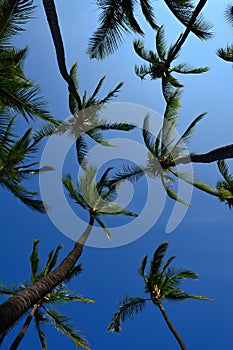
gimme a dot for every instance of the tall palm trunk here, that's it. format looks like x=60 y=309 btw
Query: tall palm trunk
x=24 y=329
x=220 y=153
x=15 y=307
x=171 y=327
x=52 y=19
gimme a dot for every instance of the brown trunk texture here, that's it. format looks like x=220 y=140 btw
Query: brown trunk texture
x=15 y=307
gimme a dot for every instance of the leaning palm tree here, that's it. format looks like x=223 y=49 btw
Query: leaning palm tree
x=17 y=92
x=161 y=283
x=41 y=311
x=225 y=187
x=99 y=200
x=165 y=151
x=119 y=16
x=16 y=164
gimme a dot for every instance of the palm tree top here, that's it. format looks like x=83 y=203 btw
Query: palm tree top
x=45 y=312
x=161 y=282
x=96 y=196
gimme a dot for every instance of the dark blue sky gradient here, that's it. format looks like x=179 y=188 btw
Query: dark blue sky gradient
x=204 y=239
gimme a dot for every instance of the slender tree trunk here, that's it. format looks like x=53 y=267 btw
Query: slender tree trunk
x=220 y=153
x=15 y=307
x=184 y=36
x=24 y=329
x=171 y=327
x=52 y=19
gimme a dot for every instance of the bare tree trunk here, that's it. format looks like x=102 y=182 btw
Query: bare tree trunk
x=220 y=153
x=52 y=19
x=16 y=306
x=24 y=329
x=171 y=327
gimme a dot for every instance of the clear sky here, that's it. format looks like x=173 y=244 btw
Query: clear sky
x=202 y=242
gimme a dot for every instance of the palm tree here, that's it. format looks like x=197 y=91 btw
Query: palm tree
x=161 y=283
x=225 y=187
x=41 y=312
x=118 y=16
x=85 y=121
x=227 y=53
x=160 y=63
x=163 y=153
x=16 y=164
x=17 y=92
x=98 y=200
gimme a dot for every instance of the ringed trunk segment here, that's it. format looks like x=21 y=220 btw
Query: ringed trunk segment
x=12 y=309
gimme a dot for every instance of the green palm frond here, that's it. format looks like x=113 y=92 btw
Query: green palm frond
x=184 y=11
x=13 y=14
x=226 y=54
x=34 y=260
x=73 y=193
x=225 y=188
x=157 y=259
x=39 y=320
x=129 y=172
x=102 y=225
x=51 y=262
x=146 y=55
x=224 y=170
x=63 y=325
x=148 y=137
x=147 y=11
x=185 y=68
x=141 y=269
x=172 y=194
x=181 y=296
x=77 y=269
x=128 y=308
x=92 y=100
x=161 y=46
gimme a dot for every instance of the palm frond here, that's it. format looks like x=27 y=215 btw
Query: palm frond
x=77 y=269
x=141 y=269
x=128 y=308
x=184 y=11
x=185 y=68
x=73 y=193
x=34 y=260
x=51 y=261
x=102 y=225
x=148 y=137
x=147 y=11
x=157 y=259
x=91 y=100
x=146 y=55
x=82 y=151
x=181 y=296
x=63 y=325
x=39 y=320
x=226 y=54
x=161 y=44
x=223 y=168
x=129 y=172
x=111 y=94
x=13 y=14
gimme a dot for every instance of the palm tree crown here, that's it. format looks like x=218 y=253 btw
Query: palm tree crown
x=95 y=196
x=17 y=92
x=16 y=164
x=161 y=283
x=42 y=313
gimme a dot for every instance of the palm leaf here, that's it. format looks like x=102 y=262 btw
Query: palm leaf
x=34 y=260
x=102 y=225
x=161 y=43
x=157 y=259
x=148 y=137
x=184 y=68
x=147 y=11
x=39 y=320
x=184 y=11
x=13 y=14
x=128 y=308
x=62 y=324
x=74 y=272
x=91 y=100
x=51 y=261
x=141 y=269
x=73 y=193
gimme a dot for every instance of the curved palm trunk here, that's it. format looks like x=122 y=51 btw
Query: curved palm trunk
x=15 y=307
x=220 y=153
x=171 y=327
x=24 y=329
x=52 y=19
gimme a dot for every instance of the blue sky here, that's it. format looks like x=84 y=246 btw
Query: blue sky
x=203 y=240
